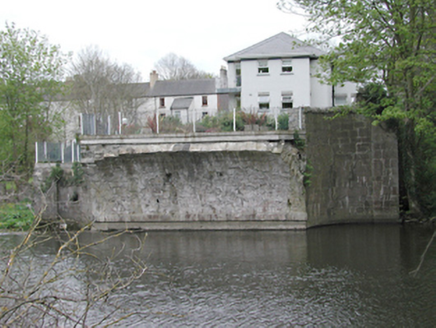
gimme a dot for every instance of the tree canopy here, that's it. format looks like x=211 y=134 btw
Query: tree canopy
x=31 y=72
x=391 y=43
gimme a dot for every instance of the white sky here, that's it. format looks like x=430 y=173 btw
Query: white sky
x=139 y=33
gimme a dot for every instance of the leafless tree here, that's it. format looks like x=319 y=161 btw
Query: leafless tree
x=102 y=86
x=65 y=287
x=174 y=67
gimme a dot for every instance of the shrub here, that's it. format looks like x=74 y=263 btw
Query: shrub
x=283 y=121
x=253 y=118
x=16 y=216
x=226 y=121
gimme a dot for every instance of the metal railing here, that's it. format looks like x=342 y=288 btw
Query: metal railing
x=194 y=121
x=57 y=152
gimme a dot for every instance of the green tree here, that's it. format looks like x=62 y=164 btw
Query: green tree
x=30 y=73
x=392 y=43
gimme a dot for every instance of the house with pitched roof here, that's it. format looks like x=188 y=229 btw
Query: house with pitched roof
x=276 y=74
x=280 y=72
x=186 y=99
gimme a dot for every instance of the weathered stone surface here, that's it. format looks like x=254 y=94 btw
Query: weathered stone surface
x=238 y=181
x=355 y=171
x=198 y=187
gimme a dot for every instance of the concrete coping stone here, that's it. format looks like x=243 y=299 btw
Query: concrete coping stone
x=189 y=138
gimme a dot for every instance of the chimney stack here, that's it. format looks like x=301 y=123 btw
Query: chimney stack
x=153 y=78
x=223 y=77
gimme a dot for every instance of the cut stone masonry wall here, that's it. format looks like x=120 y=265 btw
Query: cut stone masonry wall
x=355 y=170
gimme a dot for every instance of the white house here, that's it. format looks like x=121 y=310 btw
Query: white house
x=276 y=74
x=186 y=99
x=279 y=72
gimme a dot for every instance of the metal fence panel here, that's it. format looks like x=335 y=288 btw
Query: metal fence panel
x=57 y=152
x=88 y=124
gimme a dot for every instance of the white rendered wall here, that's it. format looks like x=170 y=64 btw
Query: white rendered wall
x=307 y=90
x=321 y=94
x=149 y=107
x=275 y=82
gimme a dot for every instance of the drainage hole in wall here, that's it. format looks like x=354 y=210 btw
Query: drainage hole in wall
x=157 y=200
x=74 y=197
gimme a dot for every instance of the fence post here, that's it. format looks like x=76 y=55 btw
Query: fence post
x=234 y=119
x=73 y=147
x=119 y=123
x=109 y=128
x=45 y=149
x=276 y=119
x=81 y=123
x=193 y=120
x=157 y=121
x=300 y=123
x=62 y=152
x=95 y=124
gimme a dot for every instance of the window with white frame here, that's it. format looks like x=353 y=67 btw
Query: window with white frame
x=161 y=102
x=204 y=101
x=287 y=99
x=263 y=100
x=287 y=65
x=263 y=67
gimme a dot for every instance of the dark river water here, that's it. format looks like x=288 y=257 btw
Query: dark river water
x=338 y=276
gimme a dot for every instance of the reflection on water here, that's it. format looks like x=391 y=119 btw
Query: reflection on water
x=340 y=276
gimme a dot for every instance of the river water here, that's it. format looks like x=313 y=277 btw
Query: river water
x=337 y=276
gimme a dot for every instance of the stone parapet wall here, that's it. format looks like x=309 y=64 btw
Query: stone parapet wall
x=355 y=170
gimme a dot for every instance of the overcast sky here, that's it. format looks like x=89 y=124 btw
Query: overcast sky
x=139 y=33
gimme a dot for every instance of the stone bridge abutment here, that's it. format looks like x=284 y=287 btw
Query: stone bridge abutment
x=213 y=181
x=237 y=180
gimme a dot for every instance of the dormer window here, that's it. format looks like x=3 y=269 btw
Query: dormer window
x=263 y=67
x=286 y=65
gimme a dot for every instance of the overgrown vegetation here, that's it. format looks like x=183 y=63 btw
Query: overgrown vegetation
x=58 y=175
x=299 y=143
x=16 y=216
x=283 y=121
x=307 y=174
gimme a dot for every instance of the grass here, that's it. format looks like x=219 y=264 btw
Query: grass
x=15 y=216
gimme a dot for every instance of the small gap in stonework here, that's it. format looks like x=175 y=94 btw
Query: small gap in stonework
x=74 y=197
x=157 y=200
